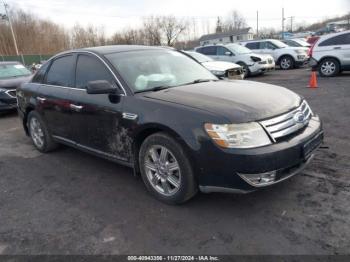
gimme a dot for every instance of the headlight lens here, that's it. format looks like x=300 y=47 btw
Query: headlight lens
x=218 y=73
x=246 y=135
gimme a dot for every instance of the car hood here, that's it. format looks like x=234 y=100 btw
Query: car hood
x=220 y=66
x=238 y=101
x=13 y=83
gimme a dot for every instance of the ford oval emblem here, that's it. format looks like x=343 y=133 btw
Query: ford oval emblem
x=299 y=117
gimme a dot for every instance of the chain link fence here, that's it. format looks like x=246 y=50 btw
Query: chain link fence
x=25 y=59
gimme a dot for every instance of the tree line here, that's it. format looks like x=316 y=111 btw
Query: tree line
x=41 y=36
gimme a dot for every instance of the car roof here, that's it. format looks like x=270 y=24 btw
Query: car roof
x=324 y=37
x=103 y=50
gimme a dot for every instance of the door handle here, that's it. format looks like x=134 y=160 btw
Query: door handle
x=337 y=47
x=76 y=107
x=41 y=99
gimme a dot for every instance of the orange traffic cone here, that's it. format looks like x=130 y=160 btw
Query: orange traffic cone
x=313 y=80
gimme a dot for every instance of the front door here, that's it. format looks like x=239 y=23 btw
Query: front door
x=96 y=117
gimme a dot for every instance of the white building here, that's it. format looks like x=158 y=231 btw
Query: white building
x=243 y=34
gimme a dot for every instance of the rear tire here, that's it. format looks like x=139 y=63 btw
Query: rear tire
x=166 y=170
x=329 y=67
x=39 y=133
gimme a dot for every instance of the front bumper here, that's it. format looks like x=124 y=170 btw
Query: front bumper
x=256 y=68
x=302 y=60
x=227 y=169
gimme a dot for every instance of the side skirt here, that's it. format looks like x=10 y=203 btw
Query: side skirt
x=92 y=151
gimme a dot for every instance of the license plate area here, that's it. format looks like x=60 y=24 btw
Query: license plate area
x=311 y=145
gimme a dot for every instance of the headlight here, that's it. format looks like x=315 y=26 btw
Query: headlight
x=218 y=73
x=246 y=135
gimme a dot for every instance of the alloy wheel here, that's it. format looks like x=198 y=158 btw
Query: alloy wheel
x=285 y=63
x=162 y=170
x=328 y=68
x=36 y=132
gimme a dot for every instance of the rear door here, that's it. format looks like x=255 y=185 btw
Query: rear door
x=53 y=101
x=96 y=117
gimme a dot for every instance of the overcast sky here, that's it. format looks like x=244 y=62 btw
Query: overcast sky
x=116 y=15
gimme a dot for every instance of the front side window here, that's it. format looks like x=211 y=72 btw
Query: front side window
x=222 y=50
x=13 y=70
x=60 y=72
x=270 y=45
x=90 y=69
x=145 y=70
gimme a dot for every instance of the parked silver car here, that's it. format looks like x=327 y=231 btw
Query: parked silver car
x=252 y=63
x=218 y=68
x=287 y=57
x=331 y=54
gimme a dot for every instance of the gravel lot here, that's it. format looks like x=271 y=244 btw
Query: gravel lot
x=68 y=202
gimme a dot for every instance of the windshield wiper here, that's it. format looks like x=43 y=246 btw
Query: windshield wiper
x=197 y=81
x=154 y=89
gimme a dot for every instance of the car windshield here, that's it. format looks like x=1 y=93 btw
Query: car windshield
x=238 y=49
x=278 y=43
x=200 y=57
x=13 y=70
x=302 y=42
x=147 y=70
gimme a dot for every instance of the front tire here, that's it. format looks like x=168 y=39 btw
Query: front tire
x=286 y=62
x=39 y=133
x=329 y=67
x=165 y=169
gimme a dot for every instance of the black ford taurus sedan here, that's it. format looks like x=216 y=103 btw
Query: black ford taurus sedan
x=163 y=114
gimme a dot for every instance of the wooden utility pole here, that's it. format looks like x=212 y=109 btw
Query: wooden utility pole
x=11 y=27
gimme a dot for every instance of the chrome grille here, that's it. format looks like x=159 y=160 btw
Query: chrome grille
x=288 y=123
x=11 y=93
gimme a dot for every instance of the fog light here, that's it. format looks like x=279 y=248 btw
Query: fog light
x=261 y=179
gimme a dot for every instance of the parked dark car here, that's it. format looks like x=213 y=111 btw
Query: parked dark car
x=12 y=75
x=166 y=116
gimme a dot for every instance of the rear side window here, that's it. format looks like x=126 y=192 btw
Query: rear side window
x=90 y=69
x=254 y=45
x=39 y=76
x=60 y=72
x=209 y=50
x=337 y=40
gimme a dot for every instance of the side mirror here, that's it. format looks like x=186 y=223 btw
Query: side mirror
x=100 y=87
x=228 y=53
